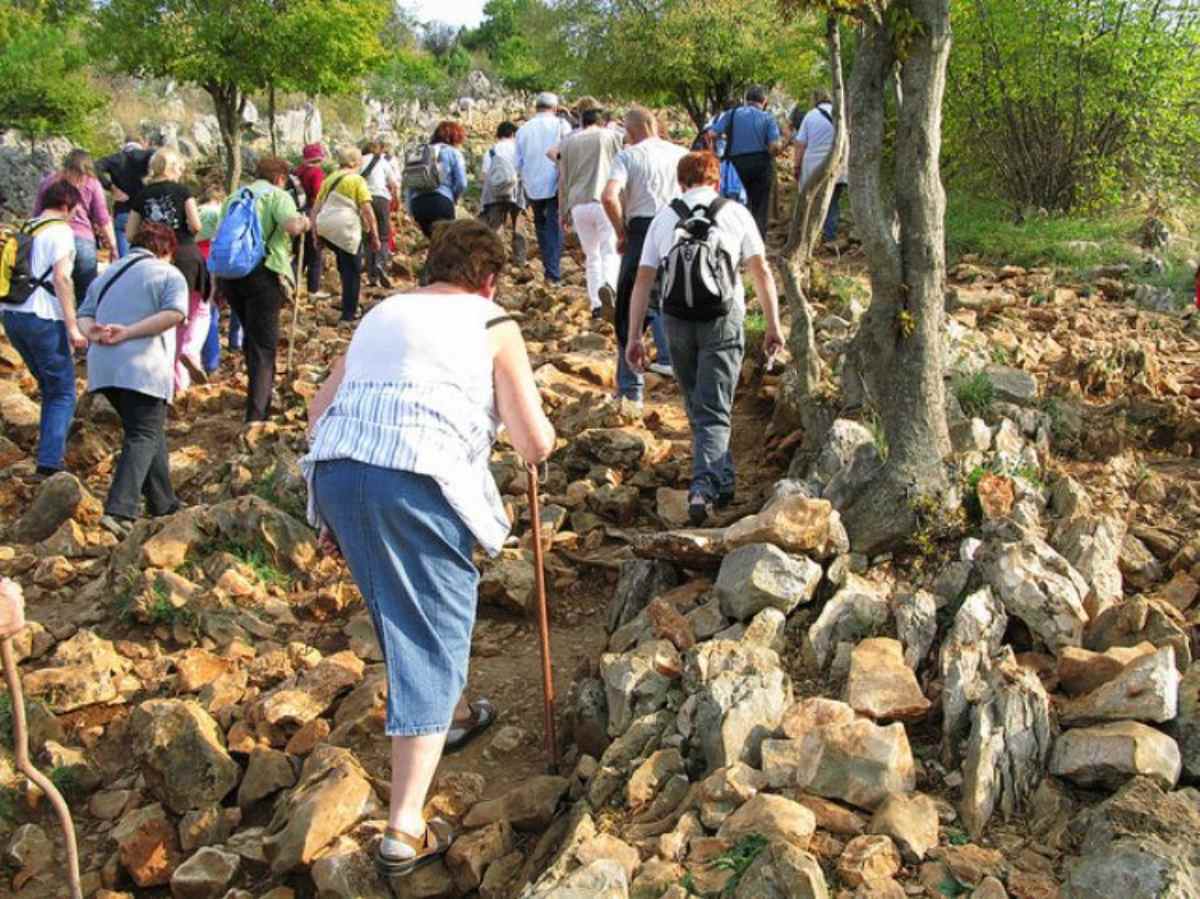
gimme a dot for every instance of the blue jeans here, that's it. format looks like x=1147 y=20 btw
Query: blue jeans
x=43 y=345
x=631 y=385
x=549 y=236
x=829 y=232
x=120 y=220
x=85 y=270
x=410 y=555
x=210 y=354
x=707 y=358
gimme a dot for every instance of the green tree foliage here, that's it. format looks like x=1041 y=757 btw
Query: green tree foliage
x=1062 y=103
x=45 y=88
x=697 y=53
x=231 y=48
x=522 y=41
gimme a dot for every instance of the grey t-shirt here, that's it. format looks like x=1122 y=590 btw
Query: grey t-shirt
x=145 y=364
x=648 y=172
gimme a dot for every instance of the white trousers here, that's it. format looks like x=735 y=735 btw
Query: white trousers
x=599 y=242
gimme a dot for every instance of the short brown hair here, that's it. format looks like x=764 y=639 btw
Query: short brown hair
x=449 y=132
x=272 y=168
x=61 y=194
x=701 y=167
x=159 y=239
x=465 y=252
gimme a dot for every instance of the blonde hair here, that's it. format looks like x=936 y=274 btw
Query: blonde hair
x=349 y=156
x=166 y=165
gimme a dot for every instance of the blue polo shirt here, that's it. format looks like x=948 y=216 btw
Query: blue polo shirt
x=754 y=132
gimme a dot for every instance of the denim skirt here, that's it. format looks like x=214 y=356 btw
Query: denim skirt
x=410 y=555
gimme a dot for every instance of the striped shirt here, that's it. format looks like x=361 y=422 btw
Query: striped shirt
x=418 y=396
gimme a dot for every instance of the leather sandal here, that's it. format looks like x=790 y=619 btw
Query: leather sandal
x=428 y=847
x=483 y=714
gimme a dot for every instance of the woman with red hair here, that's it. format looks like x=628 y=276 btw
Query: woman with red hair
x=428 y=207
x=130 y=316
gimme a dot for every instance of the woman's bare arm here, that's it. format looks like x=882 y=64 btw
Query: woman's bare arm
x=517 y=396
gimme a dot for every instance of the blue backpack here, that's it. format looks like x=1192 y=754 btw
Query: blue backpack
x=238 y=246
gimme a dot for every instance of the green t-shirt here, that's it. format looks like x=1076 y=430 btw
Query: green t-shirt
x=275 y=208
x=210 y=217
x=351 y=185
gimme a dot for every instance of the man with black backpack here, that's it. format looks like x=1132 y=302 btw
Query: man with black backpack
x=695 y=248
x=503 y=199
x=751 y=138
x=813 y=143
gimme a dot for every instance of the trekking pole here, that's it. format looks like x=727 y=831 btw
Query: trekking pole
x=296 y=301
x=14 y=609
x=535 y=517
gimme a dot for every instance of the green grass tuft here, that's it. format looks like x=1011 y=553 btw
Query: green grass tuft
x=739 y=858
x=975 y=394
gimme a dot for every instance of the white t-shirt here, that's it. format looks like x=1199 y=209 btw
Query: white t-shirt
x=648 y=172
x=381 y=178
x=50 y=246
x=817 y=134
x=736 y=228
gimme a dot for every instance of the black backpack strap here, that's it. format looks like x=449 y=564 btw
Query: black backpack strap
x=118 y=274
x=828 y=117
x=715 y=207
x=729 y=133
x=30 y=229
x=333 y=184
x=681 y=209
x=366 y=173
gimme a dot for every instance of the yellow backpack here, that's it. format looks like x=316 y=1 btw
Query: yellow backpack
x=17 y=279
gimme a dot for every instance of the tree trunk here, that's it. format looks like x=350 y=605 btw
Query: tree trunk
x=897 y=353
x=797 y=392
x=229 y=104
x=271 y=117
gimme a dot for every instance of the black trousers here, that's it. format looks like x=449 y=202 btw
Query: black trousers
x=757 y=171
x=494 y=215
x=313 y=257
x=429 y=209
x=257 y=300
x=142 y=469
x=635 y=241
x=350 y=268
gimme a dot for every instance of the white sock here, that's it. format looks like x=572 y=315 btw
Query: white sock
x=394 y=848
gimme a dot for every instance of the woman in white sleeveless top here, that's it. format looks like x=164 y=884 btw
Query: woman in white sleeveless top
x=399 y=481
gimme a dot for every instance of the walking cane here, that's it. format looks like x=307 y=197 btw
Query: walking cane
x=296 y=301
x=535 y=516
x=12 y=617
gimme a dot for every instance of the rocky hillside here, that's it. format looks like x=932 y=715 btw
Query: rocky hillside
x=1007 y=708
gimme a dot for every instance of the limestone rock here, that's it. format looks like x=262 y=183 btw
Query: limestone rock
x=916 y=625
x=843 y=440
x=267 y=772
x=1093 y=546
x=640 y=581
x=84 y=670
x=760 y=576
x=1147 y=689
x=782 y=871
x=966 y=654
x=508 y=583
x=1138 y=565
x=346 y=871
x=627 y=449
x=702 y=548
x=795 y=524
x=867 y=858
x=206 y=875
x=528 y=807
x=637 y=682
x=1142 y=620
x=1012 y=385
x=147 y=845
x=333 y=794
x=603 y=879
x=651 y=775
x=469 y=857
x=182 y=753
x=606 y=846
x=308 y=695
x=59 y=498
x=857 y=610
x=1038 y=586
x=1008 y=745
x=1081 y=671
x=1108 y=755
x=1186 y=727
x=881 y=686
x=774 y=817
x=911 y=820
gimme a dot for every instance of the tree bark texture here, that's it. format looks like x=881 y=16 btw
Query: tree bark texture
x=897 y=353
x=793 y=261
x=230 y=106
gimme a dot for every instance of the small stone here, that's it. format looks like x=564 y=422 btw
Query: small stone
x=832 y=817
x=1181 y=591
x=528 y=807
x=866 y=858
x=916 y=625
x=1108 y=755
x=881 y=686
x=206 y=875
x=1082 y=671
x=1147 y=689
x=782 y=871
x=911 y=821
x=796 y=524
x=267 y=772
x=671 y=506
x=857 y=610
x=472 y=853
x=648 y=779
x=147 y=844
x=606 y=846
x=996 y=496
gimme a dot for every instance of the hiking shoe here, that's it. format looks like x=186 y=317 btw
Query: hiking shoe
x=660 y=369
x=697 y=510
x=117 y=526
x=608 y=303
x=725 y=499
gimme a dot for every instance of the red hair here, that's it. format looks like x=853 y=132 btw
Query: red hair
x=699 y=168
x=157 y=238
x=449 y=132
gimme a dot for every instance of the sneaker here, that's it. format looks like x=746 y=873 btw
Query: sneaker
x=697 y=510
x=117 y=526
x=608 y=303
x=195 y=369
x=660 y=369
x=725 y=499
x=598 y=314
x=321 y=295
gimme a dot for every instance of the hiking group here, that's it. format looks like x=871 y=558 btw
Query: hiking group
x=401 y=432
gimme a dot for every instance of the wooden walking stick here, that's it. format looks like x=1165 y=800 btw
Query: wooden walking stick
x=543 y=613
x=300 y=281
x=12 y=622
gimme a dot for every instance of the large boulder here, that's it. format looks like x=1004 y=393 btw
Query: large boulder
x=774 y=817
x=1039 y=587
x=84 y=670
x=181 y=751
x=781 y=871
x=636 y=683
x=760 y=576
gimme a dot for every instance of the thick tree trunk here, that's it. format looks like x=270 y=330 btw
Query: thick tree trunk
x=229 y=104
x=897 y=353
x=797 y=392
